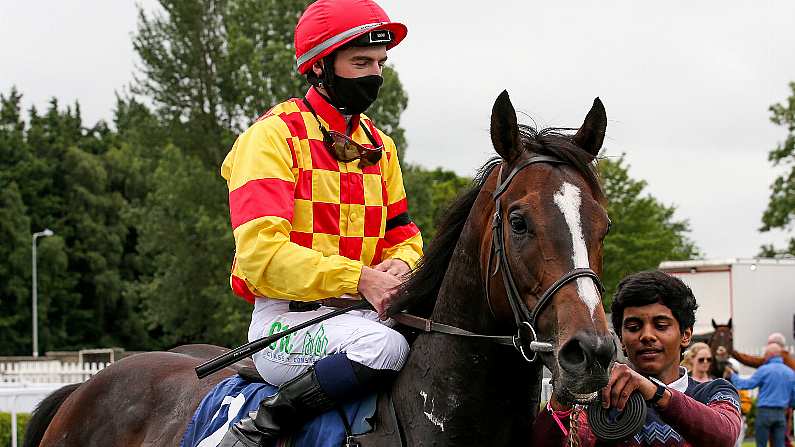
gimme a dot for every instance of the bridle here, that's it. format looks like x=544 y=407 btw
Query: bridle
x=525 y=341
x=525 y=318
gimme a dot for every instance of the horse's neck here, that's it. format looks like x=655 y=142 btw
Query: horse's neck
x=458 y=391
x=461 y=301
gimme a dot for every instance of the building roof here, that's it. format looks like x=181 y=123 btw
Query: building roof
x=720 y=264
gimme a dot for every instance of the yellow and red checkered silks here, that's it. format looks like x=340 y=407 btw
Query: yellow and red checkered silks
x=305 y=223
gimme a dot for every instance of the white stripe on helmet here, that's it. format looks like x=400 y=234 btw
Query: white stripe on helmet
x=322 y=46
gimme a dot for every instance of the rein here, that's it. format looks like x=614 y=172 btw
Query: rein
x=428 y=325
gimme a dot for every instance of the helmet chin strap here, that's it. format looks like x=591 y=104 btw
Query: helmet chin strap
x=326 y=83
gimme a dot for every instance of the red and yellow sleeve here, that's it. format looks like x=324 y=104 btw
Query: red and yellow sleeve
x=402 y=237
x=261 y=180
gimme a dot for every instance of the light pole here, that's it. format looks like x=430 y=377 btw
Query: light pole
x=47 y=232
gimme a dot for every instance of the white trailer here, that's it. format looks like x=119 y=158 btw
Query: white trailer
x=758 y=294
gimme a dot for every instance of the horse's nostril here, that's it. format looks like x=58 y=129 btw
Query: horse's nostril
x=572 y=355
x=581 y=351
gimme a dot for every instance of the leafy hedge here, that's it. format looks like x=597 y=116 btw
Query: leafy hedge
x=5 y=428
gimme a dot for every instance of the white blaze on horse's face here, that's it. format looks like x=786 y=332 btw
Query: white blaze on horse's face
x=568 y=200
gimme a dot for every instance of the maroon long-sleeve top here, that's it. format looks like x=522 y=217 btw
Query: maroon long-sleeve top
x=698 y=414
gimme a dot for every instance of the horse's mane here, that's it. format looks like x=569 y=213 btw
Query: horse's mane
x=418 y=294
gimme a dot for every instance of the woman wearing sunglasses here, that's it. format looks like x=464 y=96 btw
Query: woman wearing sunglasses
x=698 y=360
x=319 y=211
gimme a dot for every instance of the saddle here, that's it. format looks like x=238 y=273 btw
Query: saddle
x=384 y=421
x=250 y=374
x=371 y=421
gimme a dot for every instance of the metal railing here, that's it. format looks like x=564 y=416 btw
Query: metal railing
x=22 y=398
x=24 y=384
x=48 y=372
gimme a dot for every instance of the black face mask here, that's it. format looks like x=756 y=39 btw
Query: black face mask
x=354 y=95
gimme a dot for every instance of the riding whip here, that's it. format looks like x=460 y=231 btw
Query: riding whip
x=222 y=361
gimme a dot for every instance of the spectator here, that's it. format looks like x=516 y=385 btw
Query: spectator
x=776 y=382
x=755 y=361
x=697 y=360
x=746 y=401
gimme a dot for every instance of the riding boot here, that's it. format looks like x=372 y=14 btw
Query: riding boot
x=296 y=402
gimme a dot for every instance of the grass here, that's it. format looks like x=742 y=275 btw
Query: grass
x=5 y=427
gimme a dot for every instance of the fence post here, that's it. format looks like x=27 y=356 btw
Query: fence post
x=14 y=421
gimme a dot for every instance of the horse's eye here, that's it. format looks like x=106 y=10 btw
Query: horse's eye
x=518 y=224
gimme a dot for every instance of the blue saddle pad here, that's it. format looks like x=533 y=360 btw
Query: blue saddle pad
x=233 y=398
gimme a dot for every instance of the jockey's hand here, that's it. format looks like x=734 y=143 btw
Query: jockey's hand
x=623 y=382
x=378 y=288
x=393 y=266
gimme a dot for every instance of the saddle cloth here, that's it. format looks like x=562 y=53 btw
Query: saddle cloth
x=234 y=397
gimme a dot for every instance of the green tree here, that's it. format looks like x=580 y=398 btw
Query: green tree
x=15 y=232
x=26 y=181
x=644 y=231
x=56 y=175
x=429 y=193
x=185 y=234
x=14 y=269
x=781 y=207
x=13 y=149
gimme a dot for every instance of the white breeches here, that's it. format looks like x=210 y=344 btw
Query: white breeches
x=358 y=333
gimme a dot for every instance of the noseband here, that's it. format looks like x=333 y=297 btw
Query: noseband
x=525 y=341
x=525 y=319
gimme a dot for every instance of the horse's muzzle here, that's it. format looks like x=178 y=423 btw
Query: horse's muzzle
x=584 y=362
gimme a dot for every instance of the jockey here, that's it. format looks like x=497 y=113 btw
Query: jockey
x=319 y=211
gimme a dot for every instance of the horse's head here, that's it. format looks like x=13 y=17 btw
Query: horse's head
x=552 y=221
x=722 y=339
x=722 y=344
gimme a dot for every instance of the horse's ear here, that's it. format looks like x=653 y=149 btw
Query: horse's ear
x=504 y=128
x=729 y=323
x=714 y=325
x=592 y=133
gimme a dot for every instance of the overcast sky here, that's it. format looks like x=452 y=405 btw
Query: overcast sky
x=686 y=85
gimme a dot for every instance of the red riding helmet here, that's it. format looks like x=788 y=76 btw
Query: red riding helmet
x=329 y=24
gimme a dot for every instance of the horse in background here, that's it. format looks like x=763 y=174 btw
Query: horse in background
x=721 y=343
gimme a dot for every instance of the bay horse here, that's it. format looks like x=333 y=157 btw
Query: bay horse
x=721 y=343
x=535 y=217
